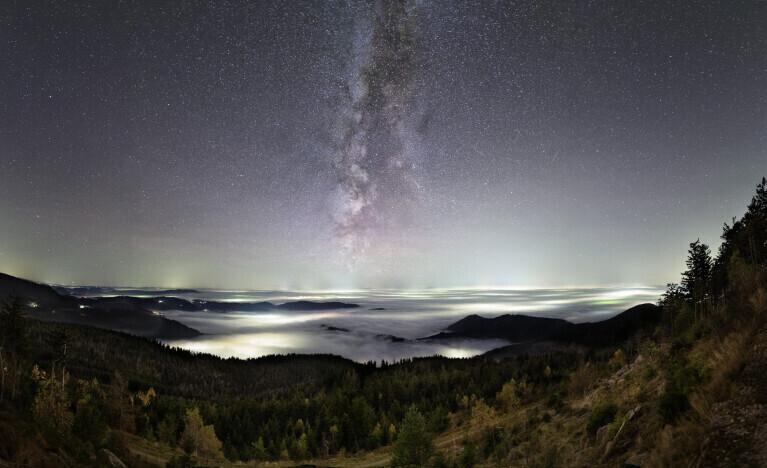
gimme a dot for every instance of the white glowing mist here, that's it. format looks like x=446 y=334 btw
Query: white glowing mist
x=362 y=333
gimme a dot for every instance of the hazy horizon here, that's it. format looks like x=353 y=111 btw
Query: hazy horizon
x=362 y=334
x=55 y=278
x=387 y=325
x=172 y=285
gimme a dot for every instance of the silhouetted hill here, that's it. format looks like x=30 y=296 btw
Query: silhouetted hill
x=607 y=333
x=613 y=330
x=510 y=327
x=44 y=303
x=196 y=305
x=161 y=303
x=110 y=291
x=309 y=305
x=132 y=314
x=391 y=338
x=175 y=303
x=40 y=293
x=216 y=306
x=332 y=328
x=540 y=335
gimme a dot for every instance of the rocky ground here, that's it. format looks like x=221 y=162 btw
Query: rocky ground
x=738 y=432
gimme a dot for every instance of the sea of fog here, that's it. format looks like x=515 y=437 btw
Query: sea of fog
x=383 y=314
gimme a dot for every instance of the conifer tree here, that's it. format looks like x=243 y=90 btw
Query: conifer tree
x=696 y=281
x=13 y=342
x=201 y=437
x=414 y=447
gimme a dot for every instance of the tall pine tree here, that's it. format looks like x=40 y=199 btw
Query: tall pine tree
x=696 y=281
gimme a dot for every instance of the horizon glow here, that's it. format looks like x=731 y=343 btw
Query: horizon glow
x=338 y=146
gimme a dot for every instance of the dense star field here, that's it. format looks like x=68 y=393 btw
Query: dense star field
x=443 y=233
x=338 y=144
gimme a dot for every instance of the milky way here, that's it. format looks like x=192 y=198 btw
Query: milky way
x=388 y=144
x=379 y=133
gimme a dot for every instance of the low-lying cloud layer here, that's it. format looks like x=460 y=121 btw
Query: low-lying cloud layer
x=365 y=334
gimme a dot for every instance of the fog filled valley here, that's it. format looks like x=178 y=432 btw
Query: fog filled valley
x=388 y=324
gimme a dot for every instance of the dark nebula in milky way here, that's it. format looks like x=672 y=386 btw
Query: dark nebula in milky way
x=379 y=134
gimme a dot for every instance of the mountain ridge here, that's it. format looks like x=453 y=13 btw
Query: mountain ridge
x=531 y=334
x=134 y=315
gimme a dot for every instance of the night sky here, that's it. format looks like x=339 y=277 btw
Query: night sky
x=326 y=145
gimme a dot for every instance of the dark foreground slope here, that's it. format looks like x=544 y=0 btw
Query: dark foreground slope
x=44 y=303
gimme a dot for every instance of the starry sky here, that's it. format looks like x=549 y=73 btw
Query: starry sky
x=344 y=144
